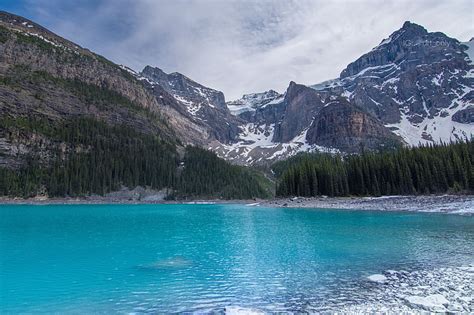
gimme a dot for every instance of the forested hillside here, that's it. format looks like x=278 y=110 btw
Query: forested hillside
x=429 y=169
x=94 y=158
x=91 y=157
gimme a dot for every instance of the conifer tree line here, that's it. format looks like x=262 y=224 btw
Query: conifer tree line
x=204 y=174
x=91 y=157
x=423 y=170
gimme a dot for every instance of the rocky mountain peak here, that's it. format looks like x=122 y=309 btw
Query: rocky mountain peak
x=418 y=83
x=408 y=25
x=187 y=91
x=203 y=105
x=154 y=72
x=410 y=44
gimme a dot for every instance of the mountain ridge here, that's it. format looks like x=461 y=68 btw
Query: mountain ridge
x=414 y=87
x=417 y=84
x=73 y=123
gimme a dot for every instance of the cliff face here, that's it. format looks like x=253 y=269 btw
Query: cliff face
x=28 y=44
x=341 y=125
x=415 y=87
x=302 y=105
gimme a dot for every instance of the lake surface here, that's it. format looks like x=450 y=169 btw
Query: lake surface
x=187 y=258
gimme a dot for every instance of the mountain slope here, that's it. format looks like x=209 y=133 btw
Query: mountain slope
x=201 y=104
x=73 y=123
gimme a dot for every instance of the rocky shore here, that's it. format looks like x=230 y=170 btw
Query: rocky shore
x=444 y=290
x=462 y=204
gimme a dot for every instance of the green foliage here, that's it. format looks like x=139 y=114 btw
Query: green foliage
x=423 y=170
x=278 y=168
x=32 y=125
x=34 y=40
x=206 y=175
x=4 y=35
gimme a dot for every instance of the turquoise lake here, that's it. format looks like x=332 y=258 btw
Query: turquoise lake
x=206 y=258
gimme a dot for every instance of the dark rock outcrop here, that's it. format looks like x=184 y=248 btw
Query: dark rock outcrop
x=341 y=125
x=465 y=116
x=301 y=106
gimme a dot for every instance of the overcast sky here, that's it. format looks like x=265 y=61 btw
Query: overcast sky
x=241 y=46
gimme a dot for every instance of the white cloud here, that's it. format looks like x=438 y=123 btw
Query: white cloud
x=245 y=46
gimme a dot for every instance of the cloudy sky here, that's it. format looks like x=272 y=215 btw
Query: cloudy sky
x=241 y=46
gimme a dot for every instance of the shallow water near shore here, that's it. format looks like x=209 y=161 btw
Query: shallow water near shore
x=203 y=258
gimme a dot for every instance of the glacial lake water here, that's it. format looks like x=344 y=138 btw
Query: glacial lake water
x=209 y=258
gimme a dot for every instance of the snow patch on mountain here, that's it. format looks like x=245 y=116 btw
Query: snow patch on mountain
x=250 y=102
x=329 y=84
x=255 y=146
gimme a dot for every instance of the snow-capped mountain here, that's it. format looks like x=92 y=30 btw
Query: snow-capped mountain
x=304 y=121
x=419 y=84
x=415 y=87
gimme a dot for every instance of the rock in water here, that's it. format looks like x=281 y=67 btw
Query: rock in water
x=168 y=263
x=377 y=278
x=432 y=303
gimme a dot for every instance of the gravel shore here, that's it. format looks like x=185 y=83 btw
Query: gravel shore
x=462 y=204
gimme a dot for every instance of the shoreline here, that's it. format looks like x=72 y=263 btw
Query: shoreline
x=462 y=204
x=112 y=201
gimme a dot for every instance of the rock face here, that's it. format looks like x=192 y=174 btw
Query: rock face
x=464 y=116
x=181 y=87
x=342 y=125
x=301 y=106
x=45 y=77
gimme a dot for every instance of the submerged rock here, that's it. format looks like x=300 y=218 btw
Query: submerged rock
x=377 y=278
x=241 y=310
x=433 y=303
x=168 y=263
